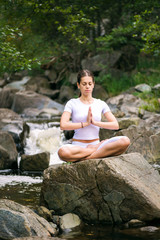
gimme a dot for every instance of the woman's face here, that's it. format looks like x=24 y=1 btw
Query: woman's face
x=86 y=85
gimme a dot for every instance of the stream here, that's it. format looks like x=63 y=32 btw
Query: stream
x=25 y=188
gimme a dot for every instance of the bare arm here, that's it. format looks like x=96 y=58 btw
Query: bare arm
x=111 y=124
x=65 y=123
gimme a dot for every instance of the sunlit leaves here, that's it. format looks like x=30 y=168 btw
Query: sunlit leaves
x=11 y=58
x=148 y=25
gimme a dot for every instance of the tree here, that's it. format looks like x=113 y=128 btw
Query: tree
x=148 y=25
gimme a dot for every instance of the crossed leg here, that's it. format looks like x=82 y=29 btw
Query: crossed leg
x=74 y=153
x=113 y=148
x=105 y=148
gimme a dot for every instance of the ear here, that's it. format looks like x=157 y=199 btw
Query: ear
x=78 y=85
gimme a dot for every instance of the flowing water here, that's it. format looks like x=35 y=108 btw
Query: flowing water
x=25 y=189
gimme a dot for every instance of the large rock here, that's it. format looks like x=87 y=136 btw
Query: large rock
x=143 y=88
x=66 y=93
x=111 y=190
x=99 y=62
x=36 y=162
x=35 y=83
x=8 y=151
x=7 y=116
x=12 y=123
x=153 y=122
x=144 y=141
x=126 y=103
x=29 y=99
x=100 y=92
x=19 y=221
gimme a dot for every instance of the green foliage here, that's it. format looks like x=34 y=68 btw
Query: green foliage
x=119 y=37
x=147 y=72
x=148 y=24
x=52 y=28
x=11 y=58
x=114 y=85
x=151 y=102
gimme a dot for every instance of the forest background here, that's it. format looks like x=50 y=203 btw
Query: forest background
x=32 y=32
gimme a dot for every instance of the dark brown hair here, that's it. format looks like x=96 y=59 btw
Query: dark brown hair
x=84 y=73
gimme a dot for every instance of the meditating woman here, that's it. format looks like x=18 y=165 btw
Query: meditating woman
x=86 y=113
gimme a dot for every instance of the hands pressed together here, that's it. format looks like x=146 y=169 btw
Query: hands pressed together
x=90 y=119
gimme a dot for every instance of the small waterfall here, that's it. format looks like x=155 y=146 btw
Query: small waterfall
x=44 y=138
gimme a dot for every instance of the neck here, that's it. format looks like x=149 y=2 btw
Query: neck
x=86 y=99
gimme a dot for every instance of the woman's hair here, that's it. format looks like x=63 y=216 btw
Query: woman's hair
x=84 y=73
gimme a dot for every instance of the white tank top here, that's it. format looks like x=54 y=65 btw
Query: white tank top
x=79 y=113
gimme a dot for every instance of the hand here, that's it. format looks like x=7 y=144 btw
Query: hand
x=89 y=117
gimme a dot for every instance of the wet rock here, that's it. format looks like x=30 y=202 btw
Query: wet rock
x=149 y=229
x=136 y=223
x=36 y=162
x=69 y=221
x=108 y=190
x=45 y=213
x=18 y=221
x=8 y=151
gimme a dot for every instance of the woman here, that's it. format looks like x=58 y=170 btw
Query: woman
x=86 y=121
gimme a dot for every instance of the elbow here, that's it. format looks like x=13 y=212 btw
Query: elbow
x=62 y=126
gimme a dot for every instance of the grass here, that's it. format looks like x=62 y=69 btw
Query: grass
x=147 y=71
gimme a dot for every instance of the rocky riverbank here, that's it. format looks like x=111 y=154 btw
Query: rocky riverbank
x=112 y=190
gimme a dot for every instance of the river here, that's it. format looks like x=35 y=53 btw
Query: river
x=25 y=188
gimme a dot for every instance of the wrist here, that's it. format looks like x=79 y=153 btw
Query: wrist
x=85 y=124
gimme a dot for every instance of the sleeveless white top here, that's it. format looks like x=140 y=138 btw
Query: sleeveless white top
x=79 y=113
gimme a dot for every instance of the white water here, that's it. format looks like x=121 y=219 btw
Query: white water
x=42 y=137
x=16 y=179
x=45 y=140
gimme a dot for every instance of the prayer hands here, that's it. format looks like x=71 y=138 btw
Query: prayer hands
x=90 y=119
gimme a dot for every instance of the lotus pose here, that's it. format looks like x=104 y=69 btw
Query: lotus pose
x=86 y=113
